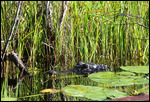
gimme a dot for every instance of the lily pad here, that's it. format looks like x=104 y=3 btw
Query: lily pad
x=118 y=79
x=130 y=80
x=122 y=82
x=126 y=73
x=137 y=69
x=104 y=77
x=141 y=80
x=92 y=92
x=79 y=90
x=105 y=93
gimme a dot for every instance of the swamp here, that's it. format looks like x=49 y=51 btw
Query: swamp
x=74 y=50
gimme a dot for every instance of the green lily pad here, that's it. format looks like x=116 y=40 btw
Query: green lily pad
x=79 y=90
x=126 y=73
x=137 y=69
x=122 y=82
x=130 y=80
x=104 y=77
x=92 y=92
x=118 y=79
x=141 y=80
x=105 y=93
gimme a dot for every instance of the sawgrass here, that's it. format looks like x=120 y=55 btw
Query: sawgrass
x=93 y=31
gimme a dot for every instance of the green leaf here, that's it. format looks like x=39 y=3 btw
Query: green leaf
x=104 y=77
x=122 y=82
x=92 y=92
x=125 y=73
x=141 y=80
x=105 y=93
x=130 y=80
x=137 y=69
x=79 y=90
x=118 y=79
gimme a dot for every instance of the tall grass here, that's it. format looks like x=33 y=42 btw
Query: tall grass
x=93 y=31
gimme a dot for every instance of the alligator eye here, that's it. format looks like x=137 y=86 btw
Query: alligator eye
x=85 y=65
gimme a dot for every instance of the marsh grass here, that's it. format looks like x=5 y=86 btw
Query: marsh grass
x=93 y=31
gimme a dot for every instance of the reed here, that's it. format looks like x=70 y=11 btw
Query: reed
x=115 y=33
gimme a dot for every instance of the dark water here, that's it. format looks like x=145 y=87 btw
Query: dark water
x=42 y=81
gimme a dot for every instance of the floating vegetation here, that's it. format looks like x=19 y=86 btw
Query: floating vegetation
x=92 y=92
x=137 y=69
x=118 y=79
x=55 y=35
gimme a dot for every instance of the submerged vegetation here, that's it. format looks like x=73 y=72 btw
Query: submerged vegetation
x=56 y=35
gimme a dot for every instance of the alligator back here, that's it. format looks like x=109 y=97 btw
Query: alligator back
x=88 y=68
x=84 y=68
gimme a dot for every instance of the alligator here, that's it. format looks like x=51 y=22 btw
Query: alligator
x=83 y=69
